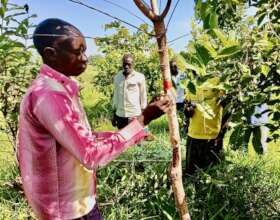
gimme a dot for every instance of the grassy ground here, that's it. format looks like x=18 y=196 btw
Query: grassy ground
x=136 y=185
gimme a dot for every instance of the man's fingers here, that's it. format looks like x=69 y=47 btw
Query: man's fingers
x=165 y=109
x=166 y=105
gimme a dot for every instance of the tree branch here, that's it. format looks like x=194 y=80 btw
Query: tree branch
x=146 y=11
x=166 y=9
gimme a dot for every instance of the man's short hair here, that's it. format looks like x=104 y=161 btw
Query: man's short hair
x=128 y=55
x=173 y=61
x=49 y=30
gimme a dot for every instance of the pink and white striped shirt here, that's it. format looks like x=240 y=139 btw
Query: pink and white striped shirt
x=58 y=154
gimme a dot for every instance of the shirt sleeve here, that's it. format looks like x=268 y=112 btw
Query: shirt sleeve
x=115 y=97
x=143 y=94
x=55 y=112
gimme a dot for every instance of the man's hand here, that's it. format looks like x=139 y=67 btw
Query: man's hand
x=189 y=109
x=156 y=108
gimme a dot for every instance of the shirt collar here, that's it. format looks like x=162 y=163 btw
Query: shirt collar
x=130 y=75
x=69 y=84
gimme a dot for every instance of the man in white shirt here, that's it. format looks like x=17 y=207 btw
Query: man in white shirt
x=130 y=96
x=258 y=120
x=177 y=77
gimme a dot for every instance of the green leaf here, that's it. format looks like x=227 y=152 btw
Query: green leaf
x=210 y=21
x=2 y=12
x=265 y=69
x=236 y=137
x=220 y=35
x=4 y=2
x=198 y=70
x=203 y=54
x=167 y=215
x=206 y=22
x=196 y=61
x=256 y=141
x=204 y=10
x=210 y=85
x=198 y=7
x=3 y=8
x=229 y=51
x=261 y=17
x=204 y=78
x=264 y=44
x=213 y=22
x=191 y=87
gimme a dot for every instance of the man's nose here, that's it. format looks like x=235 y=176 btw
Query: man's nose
x=84 y=58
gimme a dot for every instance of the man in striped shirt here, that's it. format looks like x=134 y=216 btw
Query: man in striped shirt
x=58 y=154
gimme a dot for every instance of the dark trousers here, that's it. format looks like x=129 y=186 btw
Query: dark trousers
x=202 y=153
x=94 y=214
x=121 y=121
x=180 y=106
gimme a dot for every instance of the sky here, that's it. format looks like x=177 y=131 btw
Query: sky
x=91 y=23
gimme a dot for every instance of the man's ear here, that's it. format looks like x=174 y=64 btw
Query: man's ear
x=49 y=53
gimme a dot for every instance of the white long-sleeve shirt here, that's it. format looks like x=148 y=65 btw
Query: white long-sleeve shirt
x=179 y=89
x=130 y=95
x=260 y=116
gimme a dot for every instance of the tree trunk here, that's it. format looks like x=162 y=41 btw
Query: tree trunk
x=176 y=166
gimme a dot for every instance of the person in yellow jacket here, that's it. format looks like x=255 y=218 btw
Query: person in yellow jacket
x=205 y=138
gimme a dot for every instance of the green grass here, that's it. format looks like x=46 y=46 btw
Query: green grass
x=12 y=202
x=136 y=185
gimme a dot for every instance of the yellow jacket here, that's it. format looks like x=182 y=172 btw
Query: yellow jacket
x=207 y=118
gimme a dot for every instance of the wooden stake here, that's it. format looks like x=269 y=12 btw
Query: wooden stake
x=176 y=166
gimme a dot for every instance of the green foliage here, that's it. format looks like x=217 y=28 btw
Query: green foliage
x=245 y=58
x=237 y=189
x=219 y=13
x=16 y=67
x=136 y=191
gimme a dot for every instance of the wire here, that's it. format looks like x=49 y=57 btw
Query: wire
x=178 y=38
x=143 y=161
x=30 y=36
x=172 y=14
x=109 y=15
x=146 y=4
x=128 y=11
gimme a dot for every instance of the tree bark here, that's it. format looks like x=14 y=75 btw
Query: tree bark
x=176 y=166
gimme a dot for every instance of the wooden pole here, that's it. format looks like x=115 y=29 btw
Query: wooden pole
x=176 y=166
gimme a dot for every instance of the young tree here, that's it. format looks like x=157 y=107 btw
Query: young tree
x=176 y=167
x=16 y=67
